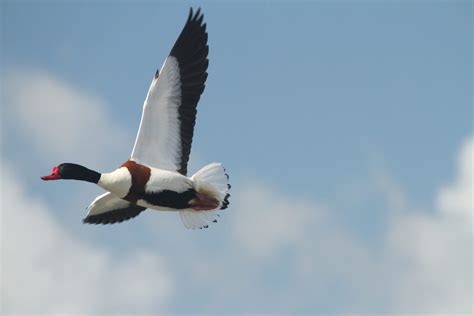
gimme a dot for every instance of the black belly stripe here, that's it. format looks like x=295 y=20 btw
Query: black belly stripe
x=171 y=199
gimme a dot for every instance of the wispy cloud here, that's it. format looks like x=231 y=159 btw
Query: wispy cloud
x=59 y=120
x=284 y=254
x=435 y=248
x=457 y=198
x=271 y=252
x=47 y=269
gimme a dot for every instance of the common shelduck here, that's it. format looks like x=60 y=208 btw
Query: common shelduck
x=155 y=175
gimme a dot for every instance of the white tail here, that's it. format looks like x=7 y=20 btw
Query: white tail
x=214 y=181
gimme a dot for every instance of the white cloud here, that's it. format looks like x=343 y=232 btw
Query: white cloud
x=458 y=197
x=422 y=261
x=60 y=121
x=47 y=270
x=270 y=252
x=267 y=221
x=436 y=248
x=299 y=255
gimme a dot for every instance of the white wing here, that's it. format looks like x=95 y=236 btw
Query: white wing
x=169 y=112
x=108 y=209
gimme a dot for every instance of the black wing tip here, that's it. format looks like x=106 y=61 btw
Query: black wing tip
x=194 y=25
x=195 y=17
x=194 y=20
x=92 y=220
x=113 y=217
x=190 y=15
x=191 y=51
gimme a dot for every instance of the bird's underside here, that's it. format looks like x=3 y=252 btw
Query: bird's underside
x=197 y=198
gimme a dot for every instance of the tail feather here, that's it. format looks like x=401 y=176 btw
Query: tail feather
x=213 y=181
x=225 y=202
x=198 y=219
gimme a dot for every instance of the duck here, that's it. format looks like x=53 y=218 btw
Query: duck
x=155 y=175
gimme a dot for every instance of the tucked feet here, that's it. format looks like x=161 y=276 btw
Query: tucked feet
x=203 y=202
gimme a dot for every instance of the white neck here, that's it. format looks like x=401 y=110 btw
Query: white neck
x=117 y=182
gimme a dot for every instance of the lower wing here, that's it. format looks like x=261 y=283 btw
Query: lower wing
x=109 y=209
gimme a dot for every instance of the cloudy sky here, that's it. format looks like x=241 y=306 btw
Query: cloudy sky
x=346 y=128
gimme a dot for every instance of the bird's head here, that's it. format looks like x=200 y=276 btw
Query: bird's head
x=71 y=171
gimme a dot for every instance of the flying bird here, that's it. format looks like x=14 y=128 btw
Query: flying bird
x=155 y=176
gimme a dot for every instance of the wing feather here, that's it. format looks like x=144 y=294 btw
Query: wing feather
x=109 y=209
x=166 y=130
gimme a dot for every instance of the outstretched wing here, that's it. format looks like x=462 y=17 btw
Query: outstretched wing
x=169 y=112
x=109 y=209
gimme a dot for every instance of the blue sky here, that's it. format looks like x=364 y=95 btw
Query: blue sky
x=341 y=123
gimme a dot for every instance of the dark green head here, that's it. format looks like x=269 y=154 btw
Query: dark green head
x=72 y=171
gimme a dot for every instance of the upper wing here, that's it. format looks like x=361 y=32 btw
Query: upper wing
x=108 y=209
x=169 y=112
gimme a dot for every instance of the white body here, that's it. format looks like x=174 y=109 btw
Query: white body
x=119 y=181
x=211 y=179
